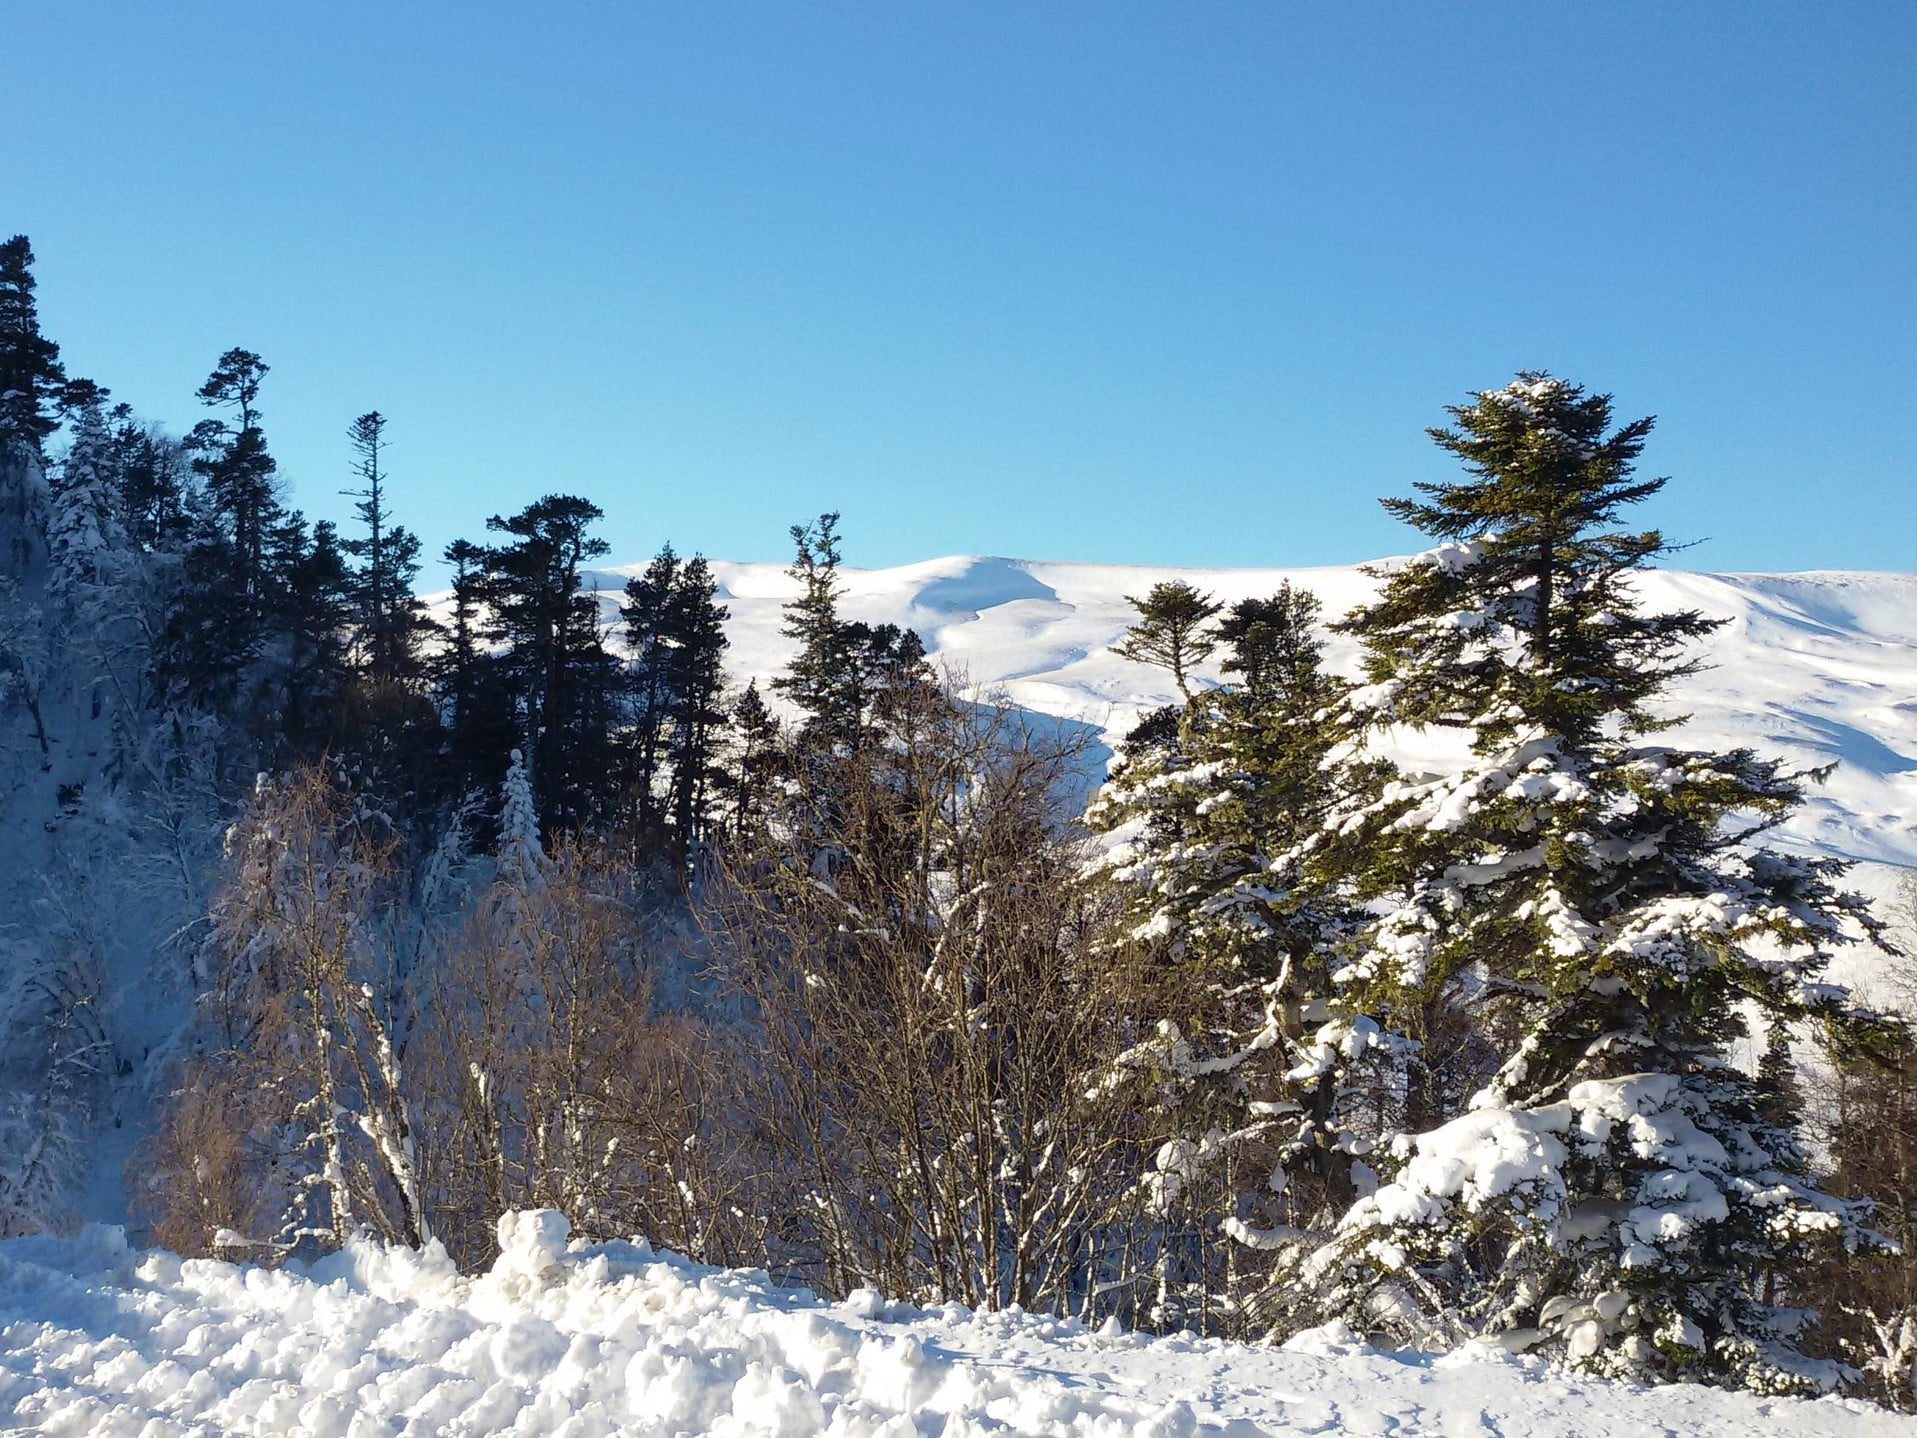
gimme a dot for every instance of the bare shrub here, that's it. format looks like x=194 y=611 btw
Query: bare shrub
x=928 y=1010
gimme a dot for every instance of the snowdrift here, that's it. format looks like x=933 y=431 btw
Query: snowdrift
x=616 y=1338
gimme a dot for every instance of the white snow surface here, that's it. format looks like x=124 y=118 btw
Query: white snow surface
x=616 y=1338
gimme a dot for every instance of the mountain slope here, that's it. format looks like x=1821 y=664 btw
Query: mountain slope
x=1817 y=667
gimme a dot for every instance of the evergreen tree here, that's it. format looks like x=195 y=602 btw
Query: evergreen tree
x=152 y=471
x=849 y=678
x=1172 y=631
x=1613 y=1195
x=757 y=760
x=85 y=535
x=31 y=375
x=1210 y=811
x=698 y=678
x=819 y=679
x=647 y=613
x=240 y=474
x=474 y=697
x=392 y=622
x=563 y=677
x=233 y=548
x=313 y=617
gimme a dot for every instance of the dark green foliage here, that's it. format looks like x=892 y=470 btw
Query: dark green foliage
x=31 y=375
x=1593 y=906
x=241 y=476
x=1172 y=631
x=473 y=688
x=562 y=677
x=391 y=621
x=1211 y=802
x=676 y=629
x=848 y=677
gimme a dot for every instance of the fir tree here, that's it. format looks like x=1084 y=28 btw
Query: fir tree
x=240 y=474
x=1613 y=1195
x=564 y=678
x=474 y=697
x=391 y=620
x=647 y=613
x=848 y=676
x=757 y=759
x=1172 y=631
x=698 y=678
x=1210 y=810
x=819 y=679
x=31 y=375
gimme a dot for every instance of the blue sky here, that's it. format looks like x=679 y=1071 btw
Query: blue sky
x=1149 y=283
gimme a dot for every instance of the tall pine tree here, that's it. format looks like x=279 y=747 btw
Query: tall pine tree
x=1599 y=905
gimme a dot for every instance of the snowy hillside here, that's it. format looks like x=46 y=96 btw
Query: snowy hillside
x=1816 y=667
x=615 y=1338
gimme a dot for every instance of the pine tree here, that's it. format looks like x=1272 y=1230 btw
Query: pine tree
x=819 y=679
x=31 y=375
x=565 y=681
x=473 y=694
x=240 y=474
x=647 y=613
x=85 y=534
x=1612 y=1193
x=1172 y=631
x=1210 y=810
x=697 y=680
x=392 y=622
x=757 y=760
x=312 y=617
x=848 y=677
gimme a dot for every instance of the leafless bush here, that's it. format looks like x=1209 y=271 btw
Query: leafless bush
x=928 y=1013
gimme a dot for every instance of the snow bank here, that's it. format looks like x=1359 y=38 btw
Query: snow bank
x=615 y=1338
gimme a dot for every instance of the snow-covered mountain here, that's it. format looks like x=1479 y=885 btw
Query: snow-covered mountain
x=1820 y=667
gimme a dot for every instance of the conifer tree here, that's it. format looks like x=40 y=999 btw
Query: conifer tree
x=31 y=375
x=240 y=473
x=647 y=613
x=563 y=676
x=819 y=678
x=757 y=758
x=698 y=678
x=392 y=622
x=471 y=684
x=1172 y=631
x=1613 y=1194
x=1210 y=811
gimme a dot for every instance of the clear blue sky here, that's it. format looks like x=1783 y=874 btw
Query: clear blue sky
x=1175 y=283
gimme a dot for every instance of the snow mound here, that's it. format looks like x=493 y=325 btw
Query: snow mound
x=616 y=1338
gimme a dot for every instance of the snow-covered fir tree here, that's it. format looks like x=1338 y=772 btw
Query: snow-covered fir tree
x=1208 y=807
x=1597 y=902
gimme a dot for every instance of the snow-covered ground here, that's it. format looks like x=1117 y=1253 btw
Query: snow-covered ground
x=615 y=1338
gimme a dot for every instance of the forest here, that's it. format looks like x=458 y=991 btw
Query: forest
x=439 y=912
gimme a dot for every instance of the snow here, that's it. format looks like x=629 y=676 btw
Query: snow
x=96 y=1339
